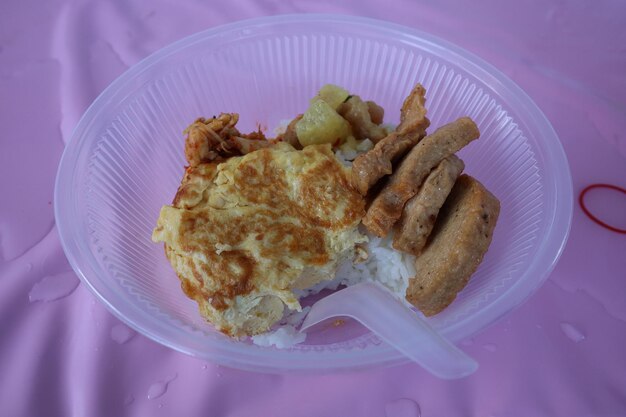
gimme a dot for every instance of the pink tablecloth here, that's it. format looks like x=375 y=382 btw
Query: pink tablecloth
x=560 y=354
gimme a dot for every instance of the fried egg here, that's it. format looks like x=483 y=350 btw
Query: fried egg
x=246 y=234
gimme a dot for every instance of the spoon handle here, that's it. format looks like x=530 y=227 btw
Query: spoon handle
x=397 y=325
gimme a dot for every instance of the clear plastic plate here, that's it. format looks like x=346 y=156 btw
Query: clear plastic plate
x=125 y=160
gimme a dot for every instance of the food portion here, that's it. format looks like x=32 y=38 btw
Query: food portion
x=370 y=167
x=322 y=124
x=242 y=235
x=336 y=198
x=404 y=183
x=359 y=115
x=420 y=213
x=289 y=135
x=218 y=139
x=457 y=246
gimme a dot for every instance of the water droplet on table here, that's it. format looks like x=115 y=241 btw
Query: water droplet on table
x=160 y=405
x=121 y=333
x=490 y=347
x=54 y=287
x=572 y=332
x=205 y=366
x=402 y=407
x=129 y=399
x=159 y=388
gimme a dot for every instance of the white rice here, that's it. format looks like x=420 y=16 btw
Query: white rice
x=346 y=155
x=386 y=266
x=283 y=337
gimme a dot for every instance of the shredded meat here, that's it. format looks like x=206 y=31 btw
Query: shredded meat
x=217 y=138
x=245 y=144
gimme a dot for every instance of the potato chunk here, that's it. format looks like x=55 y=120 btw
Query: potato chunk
x=322 y=124
x=333 y=95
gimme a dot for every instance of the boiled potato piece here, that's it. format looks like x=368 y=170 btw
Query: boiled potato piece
x=333 y=95
x=322 y=124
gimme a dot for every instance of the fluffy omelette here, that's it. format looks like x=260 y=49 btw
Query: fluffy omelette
x=245 y=232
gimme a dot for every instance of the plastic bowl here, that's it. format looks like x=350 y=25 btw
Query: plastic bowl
x=125 y=160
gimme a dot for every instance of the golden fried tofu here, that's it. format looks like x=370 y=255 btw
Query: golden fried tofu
x=373 y=165
x=420 y=212
x=457 y=245
x=404 y=183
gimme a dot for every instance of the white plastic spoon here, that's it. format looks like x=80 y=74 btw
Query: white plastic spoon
x=397 y=325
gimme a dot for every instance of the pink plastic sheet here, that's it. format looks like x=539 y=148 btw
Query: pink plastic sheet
x=63 y=354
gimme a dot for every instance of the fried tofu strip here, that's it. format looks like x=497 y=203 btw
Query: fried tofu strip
x=371 y=166
x=387 y=207
x=420 y=212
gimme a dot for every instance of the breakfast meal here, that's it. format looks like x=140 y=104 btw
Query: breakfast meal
x=335 y=198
